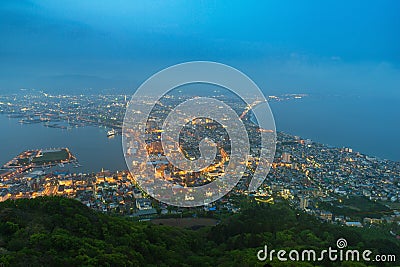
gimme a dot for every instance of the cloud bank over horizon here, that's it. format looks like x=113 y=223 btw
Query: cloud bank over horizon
x=324 y=48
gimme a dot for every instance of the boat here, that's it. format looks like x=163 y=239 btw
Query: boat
x=112 y=132
x=77 y=165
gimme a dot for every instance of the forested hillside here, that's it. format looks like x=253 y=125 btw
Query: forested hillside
x=55 y=231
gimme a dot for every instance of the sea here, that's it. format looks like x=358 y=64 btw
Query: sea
x=367 y=124
x=93 y=149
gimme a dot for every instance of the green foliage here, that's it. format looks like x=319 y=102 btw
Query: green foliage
x=356 y=207
x=54 y=231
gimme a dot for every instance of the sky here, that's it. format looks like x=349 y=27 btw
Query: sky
x=319 y=47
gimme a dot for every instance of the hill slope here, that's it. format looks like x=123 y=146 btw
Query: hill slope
x=55 y=231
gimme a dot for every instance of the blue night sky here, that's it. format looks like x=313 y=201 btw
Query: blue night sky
x=327 y=47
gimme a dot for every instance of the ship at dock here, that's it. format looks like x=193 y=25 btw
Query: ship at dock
x=111 y=132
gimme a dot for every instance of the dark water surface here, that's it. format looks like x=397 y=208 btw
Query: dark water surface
x=368 y=125
x=89 y=144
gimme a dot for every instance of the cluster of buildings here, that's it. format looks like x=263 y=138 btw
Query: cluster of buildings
x=303 y=172
x=65 y=111
x=103 y=191
x=307 y=173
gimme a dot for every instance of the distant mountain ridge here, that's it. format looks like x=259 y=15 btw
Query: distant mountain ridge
x=72 y=84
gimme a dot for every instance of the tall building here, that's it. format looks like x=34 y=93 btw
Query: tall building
x=303 y=202
x=286 y=157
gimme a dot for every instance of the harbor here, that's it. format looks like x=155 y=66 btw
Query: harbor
x=90 y=145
